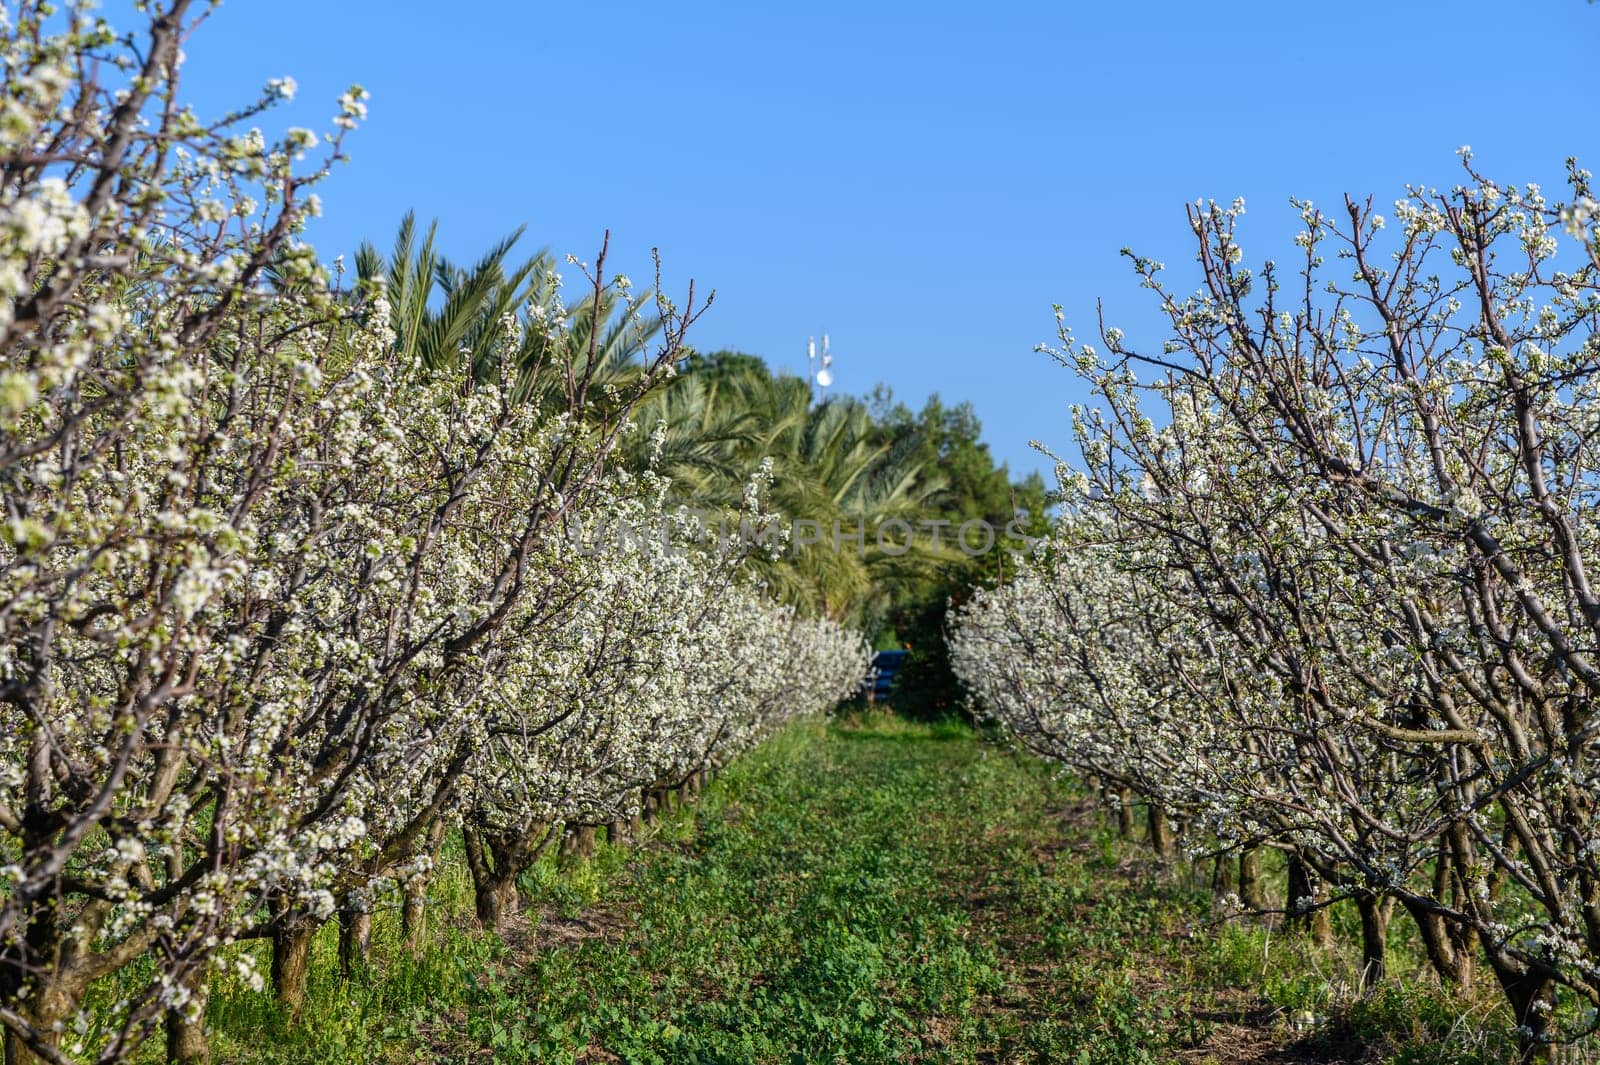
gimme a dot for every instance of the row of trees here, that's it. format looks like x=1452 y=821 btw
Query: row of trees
x=297 y=578
x=1324 y=580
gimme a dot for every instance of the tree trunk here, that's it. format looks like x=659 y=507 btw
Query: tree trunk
x=1374 y=940
x=186 y=1028
x=52 y=1005
x=355 y=941
x=616 y=833
x=1451 y=948
x=1125 y=813
x=413 y=907
x=1531 y=1005
x=1160 y=831
x=1464 y=941
x=1251 y=892
x=492 y=899
x=493 y=888
x=1450 y=963
x=1457 y=855
x=496 y=861
x=578 y=843
x=291 y=962
x=1305 y=915
x=413 y=919
x=1297 y=904
x=1322 y=929
x=53 y=996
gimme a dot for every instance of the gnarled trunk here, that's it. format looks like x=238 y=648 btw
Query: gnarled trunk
x=1451 y=947
x=493 y=899
x=497 y=860
x=291 y=960
x=413 y=919
x=39 y=966
x=1221 y=876
x=1443 y=945
x=413 y=908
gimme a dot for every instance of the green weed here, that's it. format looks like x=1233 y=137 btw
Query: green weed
x=864 y=891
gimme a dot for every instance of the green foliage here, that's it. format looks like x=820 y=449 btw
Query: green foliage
x=832 y=469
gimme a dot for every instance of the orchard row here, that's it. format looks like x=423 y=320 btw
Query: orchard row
x=1325 y=580
x=288 y=595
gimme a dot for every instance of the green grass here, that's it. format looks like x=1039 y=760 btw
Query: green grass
x=874 y=892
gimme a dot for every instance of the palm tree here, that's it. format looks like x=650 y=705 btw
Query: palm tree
x=497 y=317
x=831 y=466
x=445 y=317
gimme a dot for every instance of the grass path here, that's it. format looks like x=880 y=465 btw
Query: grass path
x=889 y=894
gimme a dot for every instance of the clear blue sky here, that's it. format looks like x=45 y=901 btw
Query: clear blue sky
x=923 y=181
